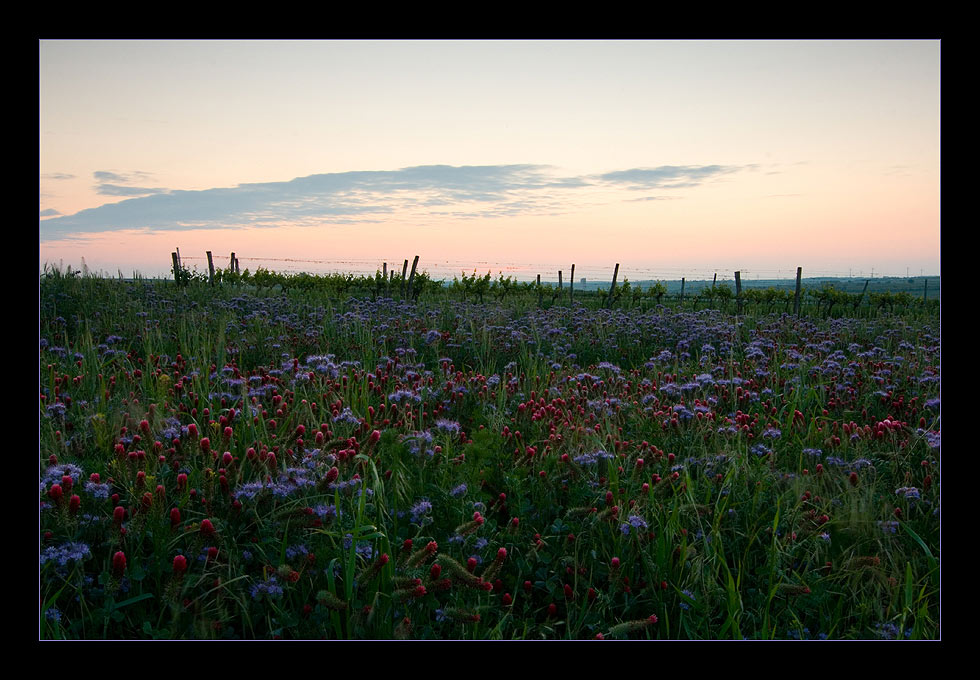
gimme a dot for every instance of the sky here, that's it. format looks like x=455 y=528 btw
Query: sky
x=673 y=158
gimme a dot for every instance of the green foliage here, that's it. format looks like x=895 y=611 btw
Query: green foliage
x=503 y=287
x=472 y=286
x=657 y=291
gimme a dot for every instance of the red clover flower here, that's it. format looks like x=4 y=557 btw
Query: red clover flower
x=119 y=564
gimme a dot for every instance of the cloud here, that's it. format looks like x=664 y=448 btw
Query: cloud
x=117 y=184
x=667 y=176
x=898 y=170
x=57 y=175
x=118 y=190
x=50 y=212
x=134 y=176
x=418 y=193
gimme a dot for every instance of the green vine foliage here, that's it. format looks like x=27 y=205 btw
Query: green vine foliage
x=825 y=301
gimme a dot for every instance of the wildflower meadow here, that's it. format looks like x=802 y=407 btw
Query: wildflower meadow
x=239 y=461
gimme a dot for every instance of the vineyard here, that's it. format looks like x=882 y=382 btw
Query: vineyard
x=270 y=456
x=825 y=300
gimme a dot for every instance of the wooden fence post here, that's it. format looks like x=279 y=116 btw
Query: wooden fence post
x=925 y=290
x=411 y=277
x=404 y=274
x=612 y=288
x=210 y=269
x=571 y=285
x=384 y=276
x=714 y=280
x=682 y=291
x=796 y=298
x=738 y=292
x=861 y=297
x=559 y=279
x=173 y=255
x=537 y=286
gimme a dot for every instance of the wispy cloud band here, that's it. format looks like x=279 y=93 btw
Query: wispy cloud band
x=436 y=191
x=668 y=176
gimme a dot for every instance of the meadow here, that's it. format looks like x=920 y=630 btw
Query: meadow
x=248 y=460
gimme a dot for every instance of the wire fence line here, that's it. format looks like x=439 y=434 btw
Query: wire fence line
x=528 y=271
